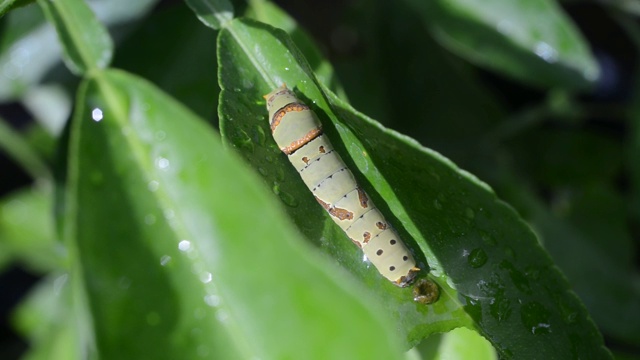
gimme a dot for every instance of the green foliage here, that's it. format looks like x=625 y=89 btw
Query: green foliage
x=163 y=237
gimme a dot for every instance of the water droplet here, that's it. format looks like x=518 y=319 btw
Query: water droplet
x=153 y=185
x=258 y=135
x=222 y=315
x=280 y=174
x=96 y=115
x=535 y=317
x=243 y=141
x=437 y=204
x=184 y=245
x=569 y=313
x=150 y=219
x=247 y=84
x=532 y=273
x=212 y=300
x=203 y=350
x=469 y=213
x=124 y=282
x=206 y=277
x=169 y=214
x=160 y=135
x=546 y=52
x=153 y=318
x=288 y=199
x=262 y=171
x=165 y=260
x=286 y=69
x=487 y=238
x=500 y=307
x=477 y=258
x=269 y=159
x=162 y=163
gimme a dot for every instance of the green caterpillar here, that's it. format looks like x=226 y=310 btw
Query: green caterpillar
x=298 y=133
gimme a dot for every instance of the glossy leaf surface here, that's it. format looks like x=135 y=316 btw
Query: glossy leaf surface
x=205 y=260
x=472 y=241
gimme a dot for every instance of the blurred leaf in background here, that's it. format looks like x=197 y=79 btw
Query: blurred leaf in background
x=152 y=238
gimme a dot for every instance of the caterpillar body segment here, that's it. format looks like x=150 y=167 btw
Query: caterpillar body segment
x=298 y=133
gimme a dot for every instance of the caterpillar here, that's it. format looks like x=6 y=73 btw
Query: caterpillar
x=298 y=133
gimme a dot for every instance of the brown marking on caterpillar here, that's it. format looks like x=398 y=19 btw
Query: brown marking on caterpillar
x=366 y=236
x=357 y=243
x=380 y=225
x=342 y=214
x=364 y=199
x=305 y=159
x=277 y=117
x=281 y=92
x=324 y=204
x=321 y=149
x=312 y=134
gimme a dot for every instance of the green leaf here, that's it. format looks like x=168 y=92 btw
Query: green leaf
x=213 y=13
x=186 y=247
x=269 y=13
x=8 y=5
x=471 y=241
x=85 y=41
x=530 y=40
x=596 y=257
x=27 y=51
x=459 y=344
x=27 y=230
x=13 y=144
x=46 y=318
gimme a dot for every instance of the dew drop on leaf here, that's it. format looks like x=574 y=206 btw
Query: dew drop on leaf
x=469 y=213
x=258 y=135
x=477 y=258
x=437 y=204
x=487 y=238
x=279 y=174
x=535 y=317
x=288 y=199
x=243 y=141
x=164 y=260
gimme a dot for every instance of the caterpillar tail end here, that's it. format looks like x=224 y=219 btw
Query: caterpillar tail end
x=404 y=281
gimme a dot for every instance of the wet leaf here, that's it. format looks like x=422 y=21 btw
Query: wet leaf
x=205 y=260
x=472 y=242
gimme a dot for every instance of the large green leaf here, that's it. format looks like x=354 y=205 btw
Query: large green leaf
x=530 y=40
x=269 y=13
x=213 y=13
x=186 y=247
x=472 y=242
x=85 y=41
